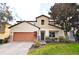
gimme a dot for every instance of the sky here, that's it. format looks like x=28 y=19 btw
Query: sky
x=28 y=9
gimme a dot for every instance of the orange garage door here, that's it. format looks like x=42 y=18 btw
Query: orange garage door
x=24 y=36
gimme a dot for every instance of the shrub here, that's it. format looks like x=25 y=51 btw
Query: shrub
x=47 y=38
x=1 y=41
x=6 y=39
x=68 y=41
x=37 y=43
x=77 y=33
x=64 y=40
x=61 y=39
x=54 y=38
x=51 y=39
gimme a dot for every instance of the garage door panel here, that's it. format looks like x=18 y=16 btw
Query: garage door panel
x=24 y=36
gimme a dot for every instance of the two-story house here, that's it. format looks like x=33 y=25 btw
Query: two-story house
x=33 y=30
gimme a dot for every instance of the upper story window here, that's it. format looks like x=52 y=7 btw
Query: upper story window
x=42 y=22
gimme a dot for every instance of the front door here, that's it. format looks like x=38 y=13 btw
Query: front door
x=42 y=35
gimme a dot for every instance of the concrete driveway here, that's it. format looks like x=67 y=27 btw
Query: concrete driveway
x=15 y=48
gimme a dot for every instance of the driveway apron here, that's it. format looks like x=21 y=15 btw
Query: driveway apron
x=15 y=48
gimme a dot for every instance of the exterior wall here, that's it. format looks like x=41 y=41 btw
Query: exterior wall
x=23 y=27
x=58 y=33
x=61 y=33
x=6 y=33
x=38 y=23
x=46 y=27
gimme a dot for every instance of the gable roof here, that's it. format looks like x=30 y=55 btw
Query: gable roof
x=44 y=16
x=26 y=21
x=19 y=22
x=55 y=26
x=22 y=22
x=38 y=17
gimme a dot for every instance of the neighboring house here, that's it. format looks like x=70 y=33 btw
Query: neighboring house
x=33 y=30
x=4 y=31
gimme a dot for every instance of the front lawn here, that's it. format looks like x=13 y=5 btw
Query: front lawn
x=56 y=49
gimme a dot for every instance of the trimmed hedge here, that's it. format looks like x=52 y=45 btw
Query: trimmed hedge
x=1 y=41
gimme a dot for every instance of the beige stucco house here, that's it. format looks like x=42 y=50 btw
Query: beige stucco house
x=35 y=30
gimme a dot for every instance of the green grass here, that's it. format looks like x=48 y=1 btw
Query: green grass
x=56 y=49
